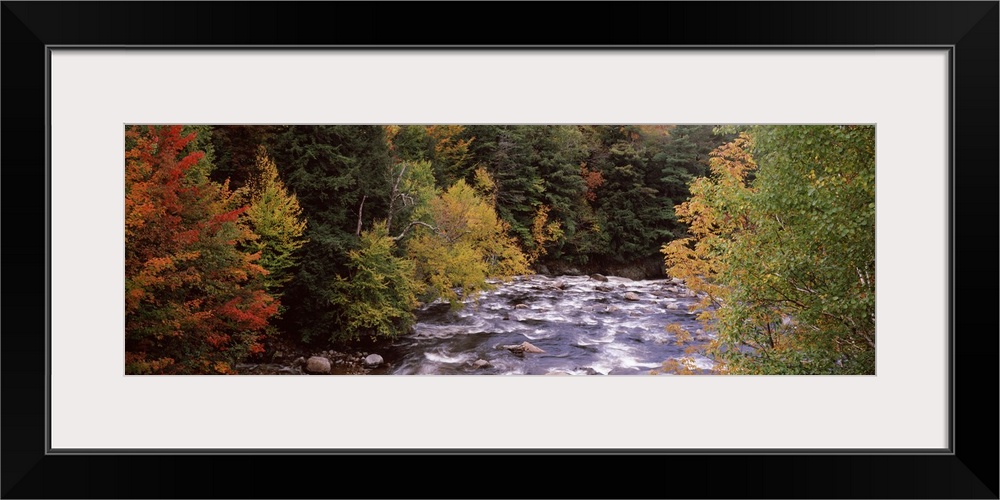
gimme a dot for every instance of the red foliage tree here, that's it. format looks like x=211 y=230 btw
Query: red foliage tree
x=194 y=303
x=593 y=180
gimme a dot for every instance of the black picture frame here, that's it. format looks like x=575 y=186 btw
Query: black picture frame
x=968 y=470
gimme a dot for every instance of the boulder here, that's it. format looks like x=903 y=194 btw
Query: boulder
x=673 y=306
x=598 y=277
x=317 y=364
x=521 y=306
x=603 y=288
x=481 y=363
x=522 y=348
x=373 y=360
x=631 y=296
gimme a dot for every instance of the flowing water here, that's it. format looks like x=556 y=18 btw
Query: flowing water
x=585 y=326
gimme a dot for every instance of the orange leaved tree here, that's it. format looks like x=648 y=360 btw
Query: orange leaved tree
x=194 y=302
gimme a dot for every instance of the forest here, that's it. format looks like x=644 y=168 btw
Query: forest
x=244 y=243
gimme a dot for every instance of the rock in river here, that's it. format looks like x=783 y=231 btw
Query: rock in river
x=598 y=277
x=481 y=363
x=631 y=296
x=522 y=348
x=317 y=364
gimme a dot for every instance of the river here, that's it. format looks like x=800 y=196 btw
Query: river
x=584 y=325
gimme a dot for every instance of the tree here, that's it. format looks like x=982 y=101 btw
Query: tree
x=379 y=294
x=507 y=154
x=543 y=232
x=789 y=251
x=338 y=174
x=636 y=217
x=412 y=189
x=236 y=147
x=465 y=244
x=559 y=152
x=450 y=152
x=194 y=302
x=275 y=217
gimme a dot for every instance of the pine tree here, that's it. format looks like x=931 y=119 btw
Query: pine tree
x=339 y=174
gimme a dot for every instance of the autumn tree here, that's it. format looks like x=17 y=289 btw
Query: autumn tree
x=449 y=151
x=194 y=301
x=783 y=241
x=378 y=294
x=543 y=232
x=464 y=244
x=276 y=219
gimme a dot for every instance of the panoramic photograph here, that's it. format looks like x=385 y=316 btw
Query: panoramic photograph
x=450 y=249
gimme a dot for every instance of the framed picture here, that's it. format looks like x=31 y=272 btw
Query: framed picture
x=923 y=74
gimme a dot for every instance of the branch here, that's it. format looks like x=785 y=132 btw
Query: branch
x=414 y=223
x=360 y=210
x=395 y=186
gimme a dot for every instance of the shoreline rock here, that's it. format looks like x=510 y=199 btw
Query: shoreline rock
x=318 y=365
x=373 y=360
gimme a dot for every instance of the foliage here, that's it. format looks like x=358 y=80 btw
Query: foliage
x=783 y=244
x=412 y=190
x=466 y=244
x=337 y=173
x=194 y=302
x=236 y=148
x=276 y=218
x=450 y=152
x=542 y=233
x=379 y=294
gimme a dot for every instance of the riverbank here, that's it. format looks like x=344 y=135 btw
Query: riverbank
x=651 y=268
x=284 y=357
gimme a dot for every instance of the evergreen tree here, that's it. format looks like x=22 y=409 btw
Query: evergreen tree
x=339 y=176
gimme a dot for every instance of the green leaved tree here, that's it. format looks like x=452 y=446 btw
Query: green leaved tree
x=783 y=241
x=379 y=293
x=276 y=218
